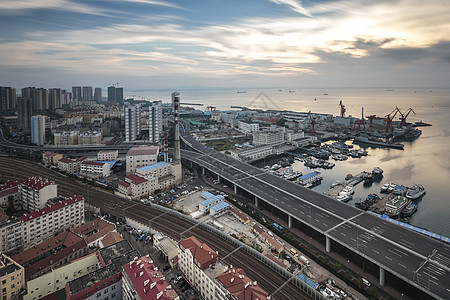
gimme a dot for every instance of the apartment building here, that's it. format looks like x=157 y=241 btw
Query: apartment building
x=31 y=228
x=142 y=281
x=95 y=169
x=34 y=192
x=71 y=166
x=9 y=194
x=247 y=127
x=107 y=155
x=51 y=158
x=167 y=175
x=12 y=278
x=135 y=186
x=65 y=138
x=90 y=138
x=141 y=156
x=235 y=284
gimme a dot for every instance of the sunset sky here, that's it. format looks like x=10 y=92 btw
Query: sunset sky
x=146 y=44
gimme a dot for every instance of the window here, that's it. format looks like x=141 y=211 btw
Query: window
x=12 y=278
x=106 y=291
x=99 y=294
x=113 y=287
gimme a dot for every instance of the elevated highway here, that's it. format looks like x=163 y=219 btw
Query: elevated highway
x=417 y=259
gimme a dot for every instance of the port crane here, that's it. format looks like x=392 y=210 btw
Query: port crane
x=389 y=118
x=210 y=108
x=371 y=119
x=404 y=116
x=360 y=122
x=342 y=106
x=312 y=121
x=116 y=84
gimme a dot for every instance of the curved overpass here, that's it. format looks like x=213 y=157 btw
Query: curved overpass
x=417 y=259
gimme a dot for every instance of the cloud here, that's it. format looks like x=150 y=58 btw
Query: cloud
x=294 y=5
x=21 y=7
x=154 y=2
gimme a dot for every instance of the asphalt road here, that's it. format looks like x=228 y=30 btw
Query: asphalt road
x=416 y=258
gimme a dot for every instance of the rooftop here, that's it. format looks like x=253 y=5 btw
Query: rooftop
x=143 y=150
x=136 y=179
x=309 y=175
x=207 y=195
x=111 y=238
x=200 y=251
x=94 y=230
x=148 y=281
x=93 y=163
x=153 y=166
x=40 y=212
x=107 y=254
x=240 y=285
x=220 y=206
x=211 y=200
x=37 y=183
x=48 y=153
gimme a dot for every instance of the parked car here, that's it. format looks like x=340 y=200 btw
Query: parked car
x=167 y=267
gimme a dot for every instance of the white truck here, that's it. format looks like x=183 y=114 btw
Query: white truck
x=304 y=260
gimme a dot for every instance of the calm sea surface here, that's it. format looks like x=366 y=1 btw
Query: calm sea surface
x=425 y=161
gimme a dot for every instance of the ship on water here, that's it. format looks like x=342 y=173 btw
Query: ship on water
x=363 y=138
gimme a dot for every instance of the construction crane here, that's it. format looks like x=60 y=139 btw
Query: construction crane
x=210 y=108
x=360 y=122
x=389 y=118
x=312 y=121
x=370 y=119
x=404 y=116
x=342 y=106
x=116 y=84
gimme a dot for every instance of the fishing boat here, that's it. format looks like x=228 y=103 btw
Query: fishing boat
x=377 y=142
x=396 y=205
x=409 y=210
x=415 y=192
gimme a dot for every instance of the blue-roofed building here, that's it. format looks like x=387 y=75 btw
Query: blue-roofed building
x=308 y=280
x=219 y=209
x=309 y=178
x=399 y=189
x=205 y=205
x=206 y=195
x=111 y=163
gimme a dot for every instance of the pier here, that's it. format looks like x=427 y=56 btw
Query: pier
x=334 y=191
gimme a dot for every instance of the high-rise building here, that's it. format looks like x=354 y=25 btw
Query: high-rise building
x=132 y=121
x=30 y=92
x=7 y=98
x=38 y=130
x=54 y=98
x=66 y=96
x=87 y=93
x=119 y=95
x=24 y=109
x=76 y=93
x=111 y=94
x=98 y=94
x=41 y=100
x=155 y=122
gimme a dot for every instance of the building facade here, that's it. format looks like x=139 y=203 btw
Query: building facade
x=65 y=138
x=107 y=155
x=87 y=93
x=98 y=95
x=34 y=193
x=247 y=127
x=132 y=121
x=12 y=278
x=76 y=93
x=141 y=156
x=38 y=130
x=24 y=109
x=155 y=122
x=95 y=169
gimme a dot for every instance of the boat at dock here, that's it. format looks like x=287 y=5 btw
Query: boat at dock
x=377 y=142
x=309 y=180
x=375 y=175
x=365 y=205
x=415 y=192
x=396 y=205
x=420 y=124
x=409 y=210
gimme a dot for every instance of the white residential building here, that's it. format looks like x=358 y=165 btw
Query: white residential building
x=107 y=155
x=272 y=135
x=141 y=156
x=246 y=127
x=132 y=121
x=95 y=169
x=155 y=122
x=34 y=193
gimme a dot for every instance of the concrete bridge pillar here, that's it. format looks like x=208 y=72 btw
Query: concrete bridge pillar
x=218 y=178
x=381 y=276
x=289 y=221
x=327 y=244
x=235 y=189
x=203 y=171
x=256 y=201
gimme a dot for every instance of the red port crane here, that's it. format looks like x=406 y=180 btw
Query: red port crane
x=342 y=106
x=360 y=122
x=210 y=108
x=312 y=121
x=404 y=116
x=370 y=119
x=389 y=118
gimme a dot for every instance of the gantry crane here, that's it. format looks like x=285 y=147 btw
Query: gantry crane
x=342 y=106
x=210 y=108
x=370 y=119
x=360 y=122
x=404 y=116
x=389 y=118
x=312 y=121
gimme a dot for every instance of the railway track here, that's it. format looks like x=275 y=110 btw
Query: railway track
x=169 y=224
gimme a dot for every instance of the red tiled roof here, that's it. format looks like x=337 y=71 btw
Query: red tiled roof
x=66 y=242
x=81 y=158
x=143 y=150
x=66 y=160
x=136 y=179
x=49 y=209
x=111 y=238
x=48 y=153
x=241 y=286
x=37 y=183
x=92 y=163
x=201 y=252
x=124 y=183
x=94 y=230
x=147 y=280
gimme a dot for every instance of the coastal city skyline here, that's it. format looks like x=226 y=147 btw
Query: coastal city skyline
x=255 y=44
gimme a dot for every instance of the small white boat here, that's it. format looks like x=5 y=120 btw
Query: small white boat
x=415 y=192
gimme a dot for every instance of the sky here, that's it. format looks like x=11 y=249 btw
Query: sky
x=158 y=44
